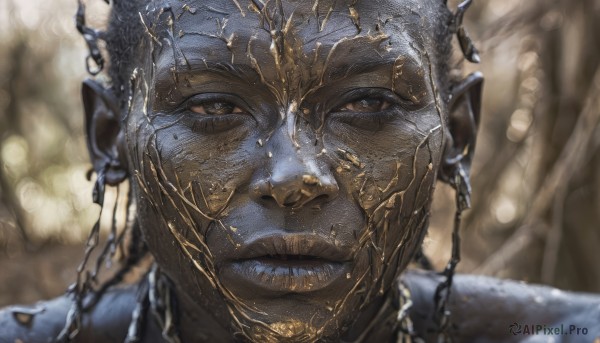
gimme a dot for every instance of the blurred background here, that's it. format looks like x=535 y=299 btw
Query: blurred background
x=536 y=175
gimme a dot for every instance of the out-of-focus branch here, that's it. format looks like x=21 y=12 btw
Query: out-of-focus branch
x=571 y=158
x=11 y=126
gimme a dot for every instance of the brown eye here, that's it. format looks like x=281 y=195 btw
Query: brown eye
x=216 y=108
x=366 y=105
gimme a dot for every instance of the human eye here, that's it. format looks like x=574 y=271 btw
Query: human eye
x=368 y=109
x=215 y=113
x=216 y=108
x=365 y=105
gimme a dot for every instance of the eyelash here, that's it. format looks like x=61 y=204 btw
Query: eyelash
x=393 y=99
x=371 y=121
x=215 y=124
x=368 y=121
x=208 y=123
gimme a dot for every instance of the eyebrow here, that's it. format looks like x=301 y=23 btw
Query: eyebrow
x=198 y=67
x=340 y=72
x=246 y=73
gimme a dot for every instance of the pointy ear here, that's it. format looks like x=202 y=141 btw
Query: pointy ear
x=463 y=122
x=105 y=139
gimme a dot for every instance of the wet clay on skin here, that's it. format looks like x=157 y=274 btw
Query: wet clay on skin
x=285 y=153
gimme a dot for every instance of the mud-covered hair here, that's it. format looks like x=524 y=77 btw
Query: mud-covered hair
x=123 y=36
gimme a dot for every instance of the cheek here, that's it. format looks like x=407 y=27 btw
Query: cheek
x=202 y=171
x=376 y=165
x=391 y=176
x=184 y=183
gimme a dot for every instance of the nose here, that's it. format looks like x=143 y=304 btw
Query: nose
x=294 y=178
x=295 y=189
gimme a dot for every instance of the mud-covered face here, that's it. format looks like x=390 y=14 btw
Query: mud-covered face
x=285 y=155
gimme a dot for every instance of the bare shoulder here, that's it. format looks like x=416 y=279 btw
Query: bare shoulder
x=43 y=322
x=486 y=309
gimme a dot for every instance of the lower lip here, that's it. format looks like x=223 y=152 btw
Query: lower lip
x=290 y=276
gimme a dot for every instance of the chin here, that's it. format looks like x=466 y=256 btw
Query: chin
x=285 y=331
x=318 y=327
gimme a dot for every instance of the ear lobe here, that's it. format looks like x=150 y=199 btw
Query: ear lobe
x=463 y=122
x=103 y=132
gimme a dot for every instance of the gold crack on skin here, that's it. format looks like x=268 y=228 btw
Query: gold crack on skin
x=401 y=246
x=355 y=18
x=148 y=194
x=401 y=193
x=373 y=38
x=397 y=70
x=204 y=198
x=436 y=94
x=220 y=35
x=146 y=95
x=368 y=197
x=252 y=8
x=185 y=244
x=326 y=19
x=147 y=30
x=234 y=304
x=181 y=196
x=339 y=304
x=186 y=8
x=292 y=122
x=367 y=236
x=232 y=300
x=288 y=24
x=406 y=233
x=350 y=157
x=258 y=70
x=394 y=181
x=237 y=4
x=187 y=218
x=310 y=180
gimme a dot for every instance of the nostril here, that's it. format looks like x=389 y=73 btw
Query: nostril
x=266 y=198
x=293 y=198
x=321 y=198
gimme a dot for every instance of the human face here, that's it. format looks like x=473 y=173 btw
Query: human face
x=284 y=157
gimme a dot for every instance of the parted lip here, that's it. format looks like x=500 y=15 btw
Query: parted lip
x=280 y=263
x=292 y=245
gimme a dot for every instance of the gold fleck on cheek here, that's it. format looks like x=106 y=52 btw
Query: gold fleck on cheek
x=310 y=179
x=352 y=158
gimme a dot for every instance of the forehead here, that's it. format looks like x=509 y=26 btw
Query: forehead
x=218 y=28
x=283 y=40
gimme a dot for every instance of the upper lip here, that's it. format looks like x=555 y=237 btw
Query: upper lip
x=308 y=245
